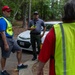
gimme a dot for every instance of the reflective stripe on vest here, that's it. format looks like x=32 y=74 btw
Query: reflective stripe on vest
x=65 y=49
x=9 y=30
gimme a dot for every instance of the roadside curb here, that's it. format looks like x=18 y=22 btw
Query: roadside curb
x=28 y=71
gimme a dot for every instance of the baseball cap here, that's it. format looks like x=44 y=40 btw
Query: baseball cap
x=36 y=13
x=6 y=8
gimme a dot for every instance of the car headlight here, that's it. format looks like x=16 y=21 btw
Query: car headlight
x=23 y=38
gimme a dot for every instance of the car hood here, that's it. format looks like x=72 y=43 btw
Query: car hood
x=26 y=35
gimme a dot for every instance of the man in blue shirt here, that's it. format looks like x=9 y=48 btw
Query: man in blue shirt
x=7 y=43
x=35 y=26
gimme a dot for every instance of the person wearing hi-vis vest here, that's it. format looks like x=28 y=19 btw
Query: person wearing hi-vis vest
x=59 y=45
x=7 y=42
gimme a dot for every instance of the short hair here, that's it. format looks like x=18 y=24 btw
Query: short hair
x=69 y=11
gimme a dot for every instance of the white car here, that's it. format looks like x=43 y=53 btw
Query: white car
x=23 y=39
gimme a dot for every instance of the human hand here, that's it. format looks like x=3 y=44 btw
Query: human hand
x=40 y=68
x=42 y=35
x=40 y=72
x=33 y=27
x=6 y=47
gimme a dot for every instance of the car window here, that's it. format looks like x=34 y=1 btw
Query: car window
x=48 y=26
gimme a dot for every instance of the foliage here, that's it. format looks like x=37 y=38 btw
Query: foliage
x=42 y=6
x=14 y=5
x=48 y=9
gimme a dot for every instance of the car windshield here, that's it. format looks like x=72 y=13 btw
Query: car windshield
x=48 y=26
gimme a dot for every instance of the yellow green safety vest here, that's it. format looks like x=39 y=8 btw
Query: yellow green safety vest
x=65 y=49
x=9 y=30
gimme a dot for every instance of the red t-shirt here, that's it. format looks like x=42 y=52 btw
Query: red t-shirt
x=47 y=51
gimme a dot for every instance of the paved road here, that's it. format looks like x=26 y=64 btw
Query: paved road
x=12 y=61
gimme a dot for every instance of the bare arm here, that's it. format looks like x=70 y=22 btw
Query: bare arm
x=43 y=32
x=30 y=28
x=40 y=68
x=4 y=40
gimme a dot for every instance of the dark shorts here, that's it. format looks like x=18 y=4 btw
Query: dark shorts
x=13 y=46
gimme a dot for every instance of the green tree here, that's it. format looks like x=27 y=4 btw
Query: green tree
x=48 y=9
x=15 y=6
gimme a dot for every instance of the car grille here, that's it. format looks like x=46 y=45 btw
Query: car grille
x=23 y=44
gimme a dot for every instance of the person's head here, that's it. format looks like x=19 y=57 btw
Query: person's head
x=36 y=15
x=69 y=11
x=6 y=11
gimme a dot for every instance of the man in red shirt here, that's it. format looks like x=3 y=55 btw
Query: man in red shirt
x=47 y=52
x=48 y=49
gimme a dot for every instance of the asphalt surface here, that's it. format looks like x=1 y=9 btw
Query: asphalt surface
x=12 y=62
